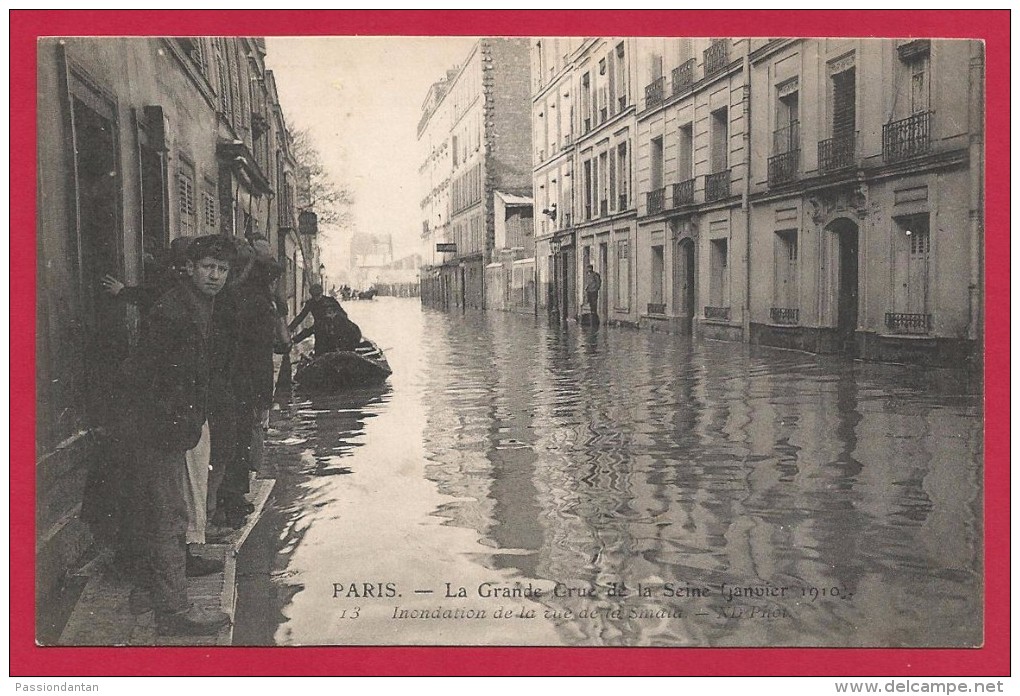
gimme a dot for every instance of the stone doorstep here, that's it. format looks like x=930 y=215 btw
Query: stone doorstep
x=101 y=615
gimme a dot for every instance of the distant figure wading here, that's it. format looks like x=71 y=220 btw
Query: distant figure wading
x=592 y=285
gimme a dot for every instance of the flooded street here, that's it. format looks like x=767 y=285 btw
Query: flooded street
x=617 y=487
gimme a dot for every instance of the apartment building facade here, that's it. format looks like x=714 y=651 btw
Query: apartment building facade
x=140 y=141
x=823 y=195
x=475 y=142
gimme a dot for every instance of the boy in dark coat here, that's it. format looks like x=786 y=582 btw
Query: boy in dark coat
x=169 y=380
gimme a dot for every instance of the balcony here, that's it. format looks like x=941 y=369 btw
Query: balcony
x=621 y=204
x=908 y=137
x=683 y=76
x=656 y=201
x=716 y=57
x=656 y=308
x=784 y=168
x=683 y=193
x=717 y=186
x=655 y=92
x=604 y=207
x=839 y=152
x=784 y=315
x=910 y=324
x=717 y=313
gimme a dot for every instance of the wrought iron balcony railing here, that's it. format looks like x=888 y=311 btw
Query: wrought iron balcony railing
x=902 y=323
x=717 y=313
x=656 y=308
x=838 y=152
x=655 y=92
x=717 y=186
x=784 y=315
x=907 y=137
x=656 y=201
x=784 y=168
x=683 y=76
x=716 y=56
x=683 y=193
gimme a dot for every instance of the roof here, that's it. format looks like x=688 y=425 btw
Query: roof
x=512 y=200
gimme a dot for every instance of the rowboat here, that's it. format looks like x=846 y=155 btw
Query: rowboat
x=364 y=365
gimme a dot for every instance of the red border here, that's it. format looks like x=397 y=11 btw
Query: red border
x=27 y=659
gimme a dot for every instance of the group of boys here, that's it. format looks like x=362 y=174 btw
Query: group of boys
x=194 y=393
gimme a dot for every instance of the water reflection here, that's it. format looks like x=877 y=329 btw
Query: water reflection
x=847 y=494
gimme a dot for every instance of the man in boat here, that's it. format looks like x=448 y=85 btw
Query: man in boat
x=332 y=328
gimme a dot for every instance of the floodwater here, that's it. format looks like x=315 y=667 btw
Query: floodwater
x=519 y=483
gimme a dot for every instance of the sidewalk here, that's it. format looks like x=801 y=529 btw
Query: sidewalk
x=101 y=615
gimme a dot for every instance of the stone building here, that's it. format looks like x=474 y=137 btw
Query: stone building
x=475 y=144
x=817 y=194
x=140 y=141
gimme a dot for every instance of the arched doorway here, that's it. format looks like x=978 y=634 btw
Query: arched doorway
x=846 y=282
x=684 y=301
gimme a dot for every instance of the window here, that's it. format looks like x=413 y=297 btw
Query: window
x=685 y=156
x=623 y=175
x=785 y=293
x=622 y=298
x=585 y=103
x=655 y=164
x=719 y=140
x=787 y=133
x=844 y=117
x=603 y=183
x=919 y=85
x=656 y=280
x=586 y=184
x=621 y=77
x=186 y=198
x=718 y=267
x=209 y=210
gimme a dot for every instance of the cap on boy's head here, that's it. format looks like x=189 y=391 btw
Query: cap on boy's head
x=216 y=246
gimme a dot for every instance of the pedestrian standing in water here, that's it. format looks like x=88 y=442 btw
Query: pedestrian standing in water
x=592 y=285
x=256 y=316
x=168 y=380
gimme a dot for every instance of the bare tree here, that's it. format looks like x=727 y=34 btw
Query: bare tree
x=317 y=190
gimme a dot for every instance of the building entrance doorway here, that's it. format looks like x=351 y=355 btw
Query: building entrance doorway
x=847 y=244
x=684 y=301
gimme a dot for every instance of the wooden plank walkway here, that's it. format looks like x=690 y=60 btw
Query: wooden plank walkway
x=101 y=615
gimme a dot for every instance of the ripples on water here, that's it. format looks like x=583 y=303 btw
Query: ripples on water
x=593 y=457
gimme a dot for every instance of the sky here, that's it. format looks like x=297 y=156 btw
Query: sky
x=360 y=98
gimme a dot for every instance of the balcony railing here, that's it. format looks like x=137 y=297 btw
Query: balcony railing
x=837 y=153
x=900 y=323
x=656 y=308
x=907 y=137
x=716 y=56
x=717 y=186
x=604 y=207
x=683 y=193
x=784 y=315
x=717 y=313
x=784 y=168
x=622 y=202
x=655 y=92
x=656 y=201
x=683 y=76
